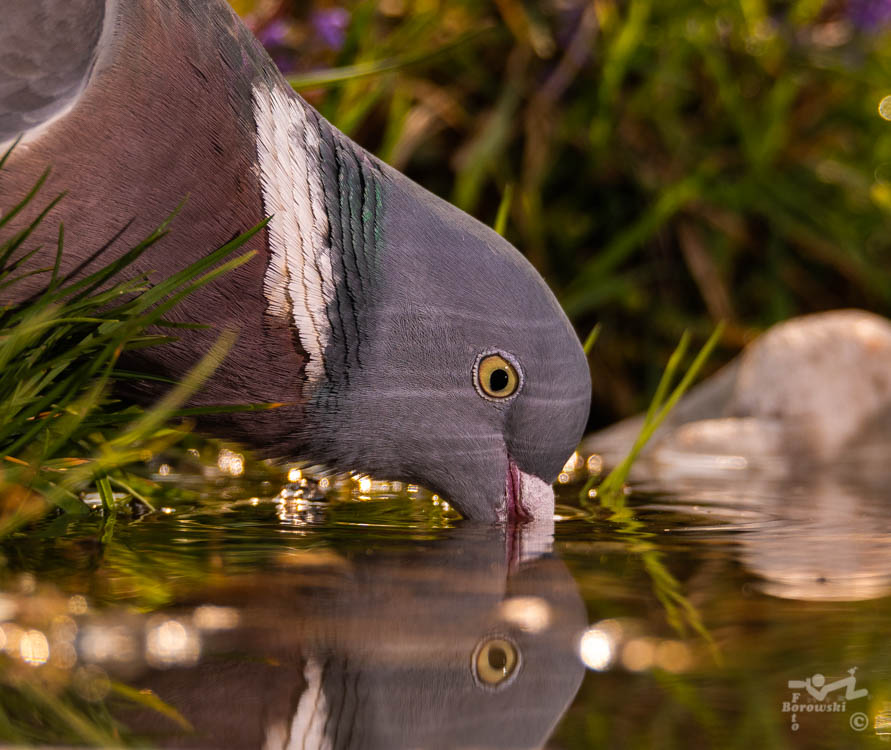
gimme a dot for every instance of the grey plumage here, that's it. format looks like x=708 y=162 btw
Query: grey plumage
x=370 y=302
x=377 y=651
x=41 y=74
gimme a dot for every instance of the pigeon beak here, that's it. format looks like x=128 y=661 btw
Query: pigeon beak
x=527 y=498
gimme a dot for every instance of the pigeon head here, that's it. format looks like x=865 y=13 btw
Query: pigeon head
x=474 y=382
x=437 y=354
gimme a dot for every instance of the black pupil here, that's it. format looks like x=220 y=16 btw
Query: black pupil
x=498 y=380
x=497 y=659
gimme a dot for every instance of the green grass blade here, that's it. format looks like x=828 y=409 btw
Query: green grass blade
x=610 y=492
x=588 y=346
x=674 y=362
x=504 y=209
x=29 y=196
x=334 y=76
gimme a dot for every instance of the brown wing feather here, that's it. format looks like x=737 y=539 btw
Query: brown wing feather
x=164 y=113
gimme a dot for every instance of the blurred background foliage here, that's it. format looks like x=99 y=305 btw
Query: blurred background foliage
x=671 y=164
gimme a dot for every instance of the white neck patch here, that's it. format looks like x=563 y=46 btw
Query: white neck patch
x=307 y=729
x=299 y=282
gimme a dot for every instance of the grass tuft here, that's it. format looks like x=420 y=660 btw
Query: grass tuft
x=611 y=491
x=61 y=431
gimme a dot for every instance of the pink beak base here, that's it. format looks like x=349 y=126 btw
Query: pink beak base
x=528 y=498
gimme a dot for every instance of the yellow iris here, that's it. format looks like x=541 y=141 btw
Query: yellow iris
x=497 y=377
x=495 y=661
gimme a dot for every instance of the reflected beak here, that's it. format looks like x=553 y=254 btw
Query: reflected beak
x=527 y=497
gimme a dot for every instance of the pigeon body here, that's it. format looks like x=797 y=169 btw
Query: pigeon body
x=405 y=339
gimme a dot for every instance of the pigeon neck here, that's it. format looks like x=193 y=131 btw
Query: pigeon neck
x=323 y=194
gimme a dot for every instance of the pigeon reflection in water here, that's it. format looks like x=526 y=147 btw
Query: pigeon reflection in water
x=460 y=644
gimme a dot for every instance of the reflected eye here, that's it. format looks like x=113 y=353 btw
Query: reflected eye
x=495 y=662
x=495 y=377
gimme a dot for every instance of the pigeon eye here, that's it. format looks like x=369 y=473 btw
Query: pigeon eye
x=495 y=661
x=495 y=377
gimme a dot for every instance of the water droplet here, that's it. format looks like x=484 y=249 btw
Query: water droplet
x=230 y=462
x=594 y=463
x=34 y=648
x=170 y=642
x=598 y=644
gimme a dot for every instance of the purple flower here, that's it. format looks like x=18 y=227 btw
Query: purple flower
x=331 y=25
x=870 y=15
x=274 y=34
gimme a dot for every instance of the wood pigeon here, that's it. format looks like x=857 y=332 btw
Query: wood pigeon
x=404 y=338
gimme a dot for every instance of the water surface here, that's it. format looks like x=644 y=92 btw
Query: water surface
x=263 y=616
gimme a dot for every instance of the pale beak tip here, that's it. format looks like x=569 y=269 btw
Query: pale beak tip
x=536 y=496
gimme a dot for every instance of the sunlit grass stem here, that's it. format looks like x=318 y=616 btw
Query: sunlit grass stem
x=610 y=492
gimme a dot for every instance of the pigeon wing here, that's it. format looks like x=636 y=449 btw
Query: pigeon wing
x=47 y=51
